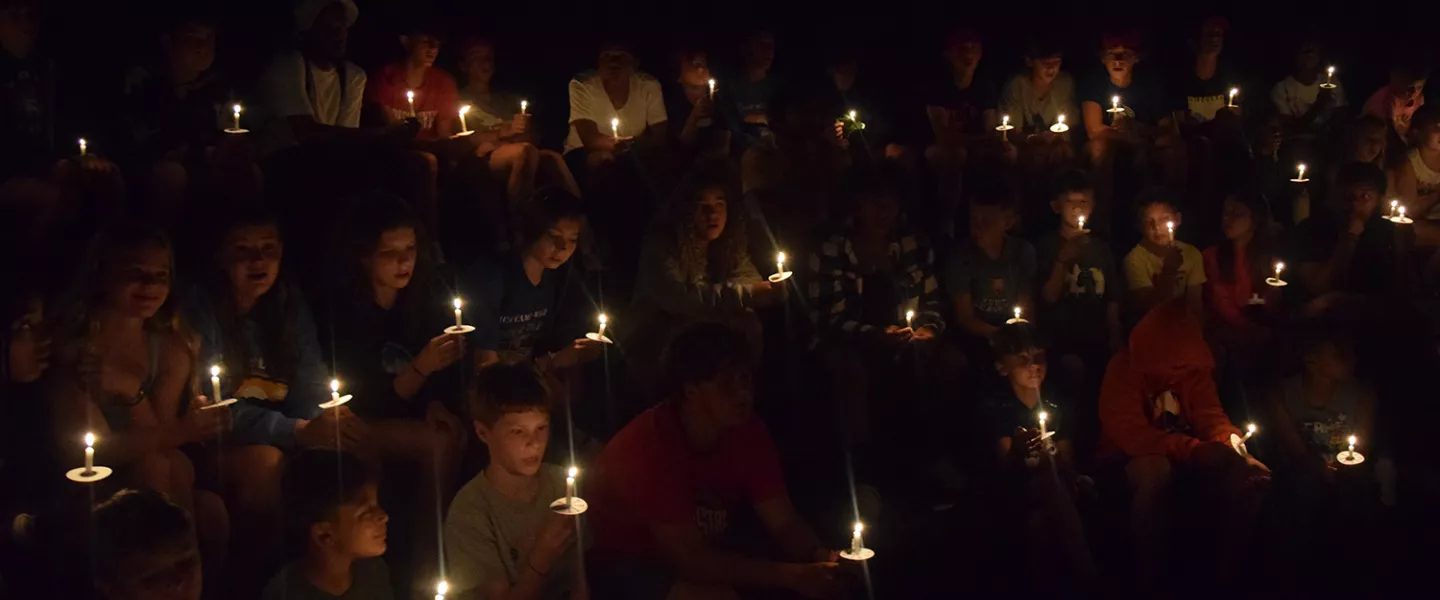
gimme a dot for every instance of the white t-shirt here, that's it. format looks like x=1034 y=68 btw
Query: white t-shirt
x=588 y=102
x=1294 y=99
x=294 y=87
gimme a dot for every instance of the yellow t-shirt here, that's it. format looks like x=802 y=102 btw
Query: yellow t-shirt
x=1141 y=268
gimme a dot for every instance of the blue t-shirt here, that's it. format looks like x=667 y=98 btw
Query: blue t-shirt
x=509 y=313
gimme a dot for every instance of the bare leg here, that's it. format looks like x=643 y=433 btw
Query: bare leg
x=553 y=170
x=516 y=164
x=421 y=170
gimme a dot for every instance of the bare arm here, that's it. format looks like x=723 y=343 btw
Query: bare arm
x=76 y=414
x=796 y=540
x=1094 y=117
x=697 y=562
x=590 y=136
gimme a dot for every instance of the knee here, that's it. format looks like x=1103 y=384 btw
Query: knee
x=168 y=174
x=254 y=473
x=153 y=471
x=1149 y=474
x=423 y=162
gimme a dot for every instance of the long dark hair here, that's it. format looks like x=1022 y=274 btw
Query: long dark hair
x=1261 y=241
x=547 y=207
x=693 y=258
x=354 y=238
x=276 y=312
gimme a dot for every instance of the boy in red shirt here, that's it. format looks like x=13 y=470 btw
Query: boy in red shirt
x=1159 y=408
x=668 y=484
x=437 y=103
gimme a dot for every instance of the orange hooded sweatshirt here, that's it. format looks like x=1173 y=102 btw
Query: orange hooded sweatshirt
x=1167 y=353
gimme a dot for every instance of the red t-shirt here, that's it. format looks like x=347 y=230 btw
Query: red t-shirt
x=649 y=474
x=437 y=101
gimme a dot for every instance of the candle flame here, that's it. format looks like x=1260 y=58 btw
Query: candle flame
x=457 y=303
x=1301 y=167
x=89 y=439
x=464 y=110
x=859 y=528
x=1017 y=312
x=1250 y=427
x=1352 y=440
x=1234 y=91
x=1005 y=119
x=909 y=316
x=237 y=109
x=442 y=588
x=1402 y=211
x=334 y=385
x=574 y=471
x=410 y=95
x=780 y=257
x=1060 y=119
x=852 y=115
x=604 y=319
x=614 y=123
x=712 y=84
x=523 y=104
x=214 y=370
x=1115 y=100
x=1170 y=225
x=1279 y=266
x=1044 y=416
x=1330 y=70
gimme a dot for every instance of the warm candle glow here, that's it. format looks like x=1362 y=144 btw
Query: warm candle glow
x=859 y=528
x=780 y=258
x=1250 y=428
x=89 y=440
x=82 y=146
x=1233 y=91
x=1279 y=266
x=1005 y=119
x=604 y=319
x=1017 y=313
x=442 y=588
x=1081 y=221
x=712 y=87
x=214 y=370
x=853 y=116
x=1352 y=442
x=1044 y=416
x=1060 y=119
x=464 y=110
x=1301 y=168
x=1115 y=102
x=909 y=317
x=457 y=303
x=615 y=128
x=573 y=472
x=523 y=105
x=334 y=385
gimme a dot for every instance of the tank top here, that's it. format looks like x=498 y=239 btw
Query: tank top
x=1427 y=182
x=116 y=408
x=1325 y=428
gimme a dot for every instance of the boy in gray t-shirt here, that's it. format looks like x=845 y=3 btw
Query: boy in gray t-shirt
x=501 y=538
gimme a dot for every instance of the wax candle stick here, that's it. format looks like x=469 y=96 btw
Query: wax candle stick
x=1044 y=416
x=83 y=146
x=572 y=504
x=458 y=321
x=909 y=318
x=599 y=336
x=335 y=391
x=441 y=589
x=712 y=89
x=237 y=118
x=1060 y=126
x=570 y=485
x=1300 y=174
x=89 y=454
x=523 y=105
x=463 y=110
x=1004 y=127
x=88 y=473
x=615 y=128
x=603 y=322
x=1276 y=281
x=1249 y=431
x=780 y=262
x=780 y=273
x=410 y=97
x=215 y=383
x=1017 y=318
x=1394 y=206
x=1170 y=228
x=1231 y=102
x=857 y=543
x=1329 y=78
x=1080 y=222
x=855 y=117
x=1115 y=105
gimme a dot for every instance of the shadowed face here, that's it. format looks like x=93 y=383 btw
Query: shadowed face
x=392 y=264
x=517 y=440
x=728 y=399
x=138 y=282
x=711 y=213
x=251 y=259
x=557 y=244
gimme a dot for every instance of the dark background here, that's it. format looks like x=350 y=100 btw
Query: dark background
x=542 y=43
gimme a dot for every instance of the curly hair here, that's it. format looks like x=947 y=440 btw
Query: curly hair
x=694 y=258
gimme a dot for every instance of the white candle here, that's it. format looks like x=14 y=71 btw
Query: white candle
x=1004 y=120
x=237 y=117
x=1233 y=91
x=1004 y=127
x=603 y=321
x=89 y=453
x=1044 y=416
x=780 y=263
x=1301 y=168
x=1249 y=431
x=909 y=318
x=1170 y=227
x=854 y=117
x=215 y=383
x=463 y=110
x=82 y=146
x=1081 y=221
x=335 y=391
x=1279 y=266
x=1115 y=103
x=712 y=89
x=857 y=543
x=570 y=485
x=1352 y=445
x=441 y=589
x=1017 y=312
x=1330 y=75
x=1060 y=120
x=523 y=105
x=1394 y=205
x=615 y=128
x=410 y=97
x=1402 y=214
x=458 y=322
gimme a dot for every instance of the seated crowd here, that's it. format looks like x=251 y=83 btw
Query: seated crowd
x=1237 y=292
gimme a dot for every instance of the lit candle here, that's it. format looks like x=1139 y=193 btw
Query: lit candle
x=1401 y=218
x=215 y=382
x=1044 y=416
x=410 y=97
x=1352 y=441
x=458 y=323
x=712 y=89
x=779 y=263
x=854 y=117
x=1300 y=177
x=603 y=322
x=82 y=146
x=1249 y=431
x=909 y=317
x=1060 y=126
x=1279 y=266
x=570 y=485
x=523 y=105
x=856 y=542
x=1329 y=77
x=1233 y=91
x=1005 y=122
x=1114 y=104
x=463 y=110
x=89 y=454
x=1394 y=205
x=237 y=117
x=615 y=128
x=335 y=391
x=1170 y=227
x=1080 y=220
x=441 y=589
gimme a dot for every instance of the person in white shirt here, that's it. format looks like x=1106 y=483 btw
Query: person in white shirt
x=313 y=97
x=1299 y=98
x=614 y=91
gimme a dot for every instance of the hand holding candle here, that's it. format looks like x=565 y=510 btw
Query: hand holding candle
x=1350 y=457
x=1276 y=281
x=857 y=550
x=599 y=336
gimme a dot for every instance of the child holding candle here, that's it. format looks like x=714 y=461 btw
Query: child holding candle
x=1349 y=248
x=514 y=299
x=502 y=540
x=989 y=272
x=1036 y=476
x=595 y=95
x=436 y=100
x=1235 y=269
x=1161 y=267
x=1036 y=97
x=690 y=103
x=1397 y=101
x=671 y=482
x=1299 y=98
x=1417 y=179
x=1314 y=412
x=1205 y=90
x=335 y=515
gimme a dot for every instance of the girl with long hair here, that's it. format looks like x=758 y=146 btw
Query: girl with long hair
x=1236 y=267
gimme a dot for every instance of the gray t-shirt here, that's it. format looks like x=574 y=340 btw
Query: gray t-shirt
x=995 y=285
x=369 y=580
x=488 y=537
